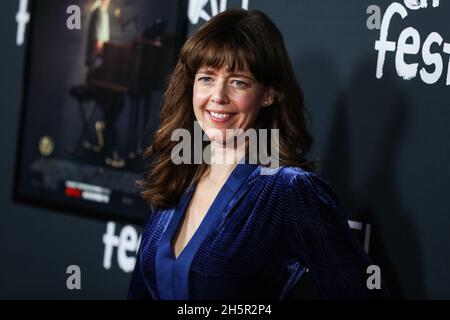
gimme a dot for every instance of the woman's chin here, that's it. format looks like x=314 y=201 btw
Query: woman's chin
x=216 y=135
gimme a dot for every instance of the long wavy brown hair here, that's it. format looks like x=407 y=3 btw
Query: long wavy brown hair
x=239 y=40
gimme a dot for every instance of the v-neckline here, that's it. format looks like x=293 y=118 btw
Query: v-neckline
x=183 y=210
x=172 y=272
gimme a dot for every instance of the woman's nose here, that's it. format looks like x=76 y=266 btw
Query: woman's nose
x=219 y=94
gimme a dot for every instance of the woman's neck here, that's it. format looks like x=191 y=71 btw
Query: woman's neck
x=223 y=160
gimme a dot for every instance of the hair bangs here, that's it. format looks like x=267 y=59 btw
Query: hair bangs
x=217 y=52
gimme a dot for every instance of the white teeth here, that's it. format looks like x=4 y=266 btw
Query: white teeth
x=220 y=115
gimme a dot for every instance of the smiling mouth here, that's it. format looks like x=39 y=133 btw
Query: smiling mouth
x=219 y=116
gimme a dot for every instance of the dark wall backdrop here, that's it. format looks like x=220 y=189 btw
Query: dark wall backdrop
x=382 y=144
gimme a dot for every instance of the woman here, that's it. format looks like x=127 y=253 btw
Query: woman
x=234 y=229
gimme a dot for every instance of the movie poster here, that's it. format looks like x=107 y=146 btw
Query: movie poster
x=95 y=75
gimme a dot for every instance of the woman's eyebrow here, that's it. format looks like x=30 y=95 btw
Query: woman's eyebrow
x=206 y=71
x=240 y=74
x=229 y=74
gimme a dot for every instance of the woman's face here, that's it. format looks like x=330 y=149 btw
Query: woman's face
x=224 y=99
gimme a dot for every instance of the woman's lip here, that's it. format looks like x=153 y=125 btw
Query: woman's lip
x=220 y=112
x=218 y=119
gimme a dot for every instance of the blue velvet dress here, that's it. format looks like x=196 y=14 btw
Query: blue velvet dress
x=258 y=238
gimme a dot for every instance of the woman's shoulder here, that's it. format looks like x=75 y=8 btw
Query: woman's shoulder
x=291 y=177
x=309 y=195
x=304 y=186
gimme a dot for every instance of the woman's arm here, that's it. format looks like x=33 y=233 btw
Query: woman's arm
x=138 y=289
x=319 y=237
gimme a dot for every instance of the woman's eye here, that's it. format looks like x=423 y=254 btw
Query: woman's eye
x=205 y=79
x=239 y=83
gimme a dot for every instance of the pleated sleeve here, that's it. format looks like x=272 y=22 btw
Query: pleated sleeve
x=318 y=235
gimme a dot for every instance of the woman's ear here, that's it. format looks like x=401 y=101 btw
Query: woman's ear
x=269 y=96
